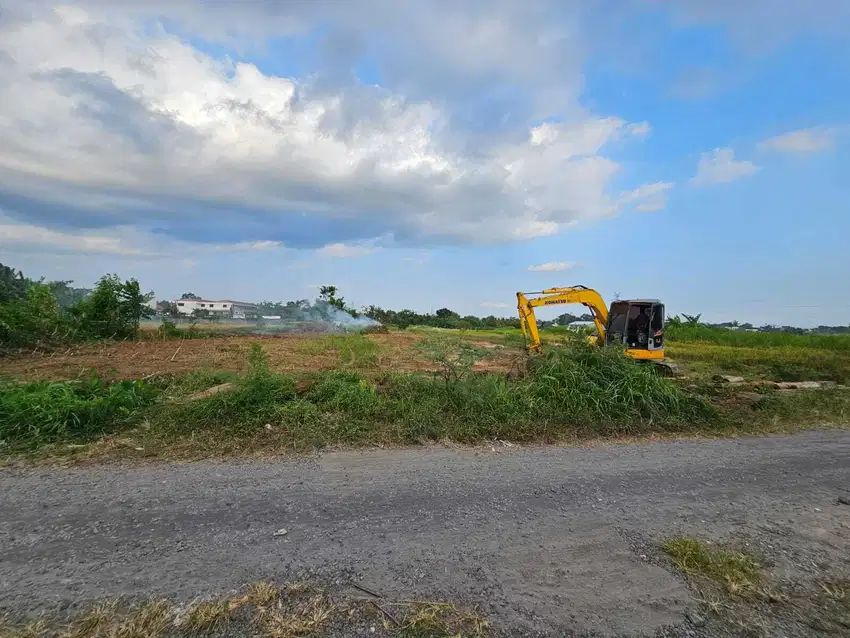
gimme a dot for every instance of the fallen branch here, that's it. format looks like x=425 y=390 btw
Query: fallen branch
x=176 y=351
x=366 y=590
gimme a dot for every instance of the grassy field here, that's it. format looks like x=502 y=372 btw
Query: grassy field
x=301 y=392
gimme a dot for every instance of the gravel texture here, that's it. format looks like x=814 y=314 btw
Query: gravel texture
x=543 y=541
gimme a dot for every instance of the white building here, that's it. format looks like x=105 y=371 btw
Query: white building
x=224 y=308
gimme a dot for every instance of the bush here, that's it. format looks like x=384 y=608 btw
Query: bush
x=168 y=329
x=32 y=320
x=46 y=412
x=598 y=385
x=112 y=311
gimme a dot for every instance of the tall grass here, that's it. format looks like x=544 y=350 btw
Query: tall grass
x=44 y=412
x=571 y=391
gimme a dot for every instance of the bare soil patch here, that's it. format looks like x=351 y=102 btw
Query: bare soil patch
x=133 y=360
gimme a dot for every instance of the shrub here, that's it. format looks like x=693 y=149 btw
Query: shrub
x=31 y=320
x=596 y=385
x=168 y=329
x=455 y=356
x=112 y=311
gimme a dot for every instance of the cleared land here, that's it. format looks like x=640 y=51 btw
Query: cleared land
x=287 y=353
x=292 y=353
x=541 y=541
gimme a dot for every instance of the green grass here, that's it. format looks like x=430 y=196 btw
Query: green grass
x=42 y=412
x=573 y=391
x=354 y=350
x=742 y=338
x=579 y=391
x=789 y=363
x=737 y=572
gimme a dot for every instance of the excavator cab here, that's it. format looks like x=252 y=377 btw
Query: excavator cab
x=637 y=324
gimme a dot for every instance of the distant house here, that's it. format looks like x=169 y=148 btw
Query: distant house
x=223 y=308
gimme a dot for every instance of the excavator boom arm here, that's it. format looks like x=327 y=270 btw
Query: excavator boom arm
x=558 y=296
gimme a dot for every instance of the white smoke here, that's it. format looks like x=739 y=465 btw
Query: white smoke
x=320 y=316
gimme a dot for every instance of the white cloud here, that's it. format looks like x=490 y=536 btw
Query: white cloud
x=495 y=304
x=720 y=166
x=648 y=197
x=553 y=266
x=115 y=241
x=810 y=140
x=14 y=235
x=639 y=129
x=124 y=123
x=345 y=250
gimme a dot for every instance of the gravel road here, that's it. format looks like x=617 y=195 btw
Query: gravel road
x=541 y=540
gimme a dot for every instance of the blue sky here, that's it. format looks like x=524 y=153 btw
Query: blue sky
x=430 y=154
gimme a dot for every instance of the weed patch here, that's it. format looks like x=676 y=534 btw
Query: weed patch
x=579 y=390
x=737 y=572
x=44 y=412
x=355 y=350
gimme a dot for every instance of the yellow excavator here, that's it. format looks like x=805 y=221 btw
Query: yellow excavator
x=637 y=324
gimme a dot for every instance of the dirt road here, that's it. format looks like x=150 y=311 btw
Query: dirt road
x=541 y=540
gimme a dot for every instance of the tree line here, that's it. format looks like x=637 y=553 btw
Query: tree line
x=44 y=312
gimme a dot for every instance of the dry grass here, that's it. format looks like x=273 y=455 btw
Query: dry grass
x=293 y=610
x=207 y=616
x=106 y=619
x=442 y=619
x=262 y=593
x=304 y=618
x=94 y=622
x=32 y=629
x=148 y=621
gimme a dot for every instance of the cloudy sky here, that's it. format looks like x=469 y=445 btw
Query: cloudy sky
x=434 y=153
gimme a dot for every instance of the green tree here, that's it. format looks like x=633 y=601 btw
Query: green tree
x=189 y=295
x=66 y=295
x=692 y=320
x=13 y=284
x=327 y=295
x=113 y=310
